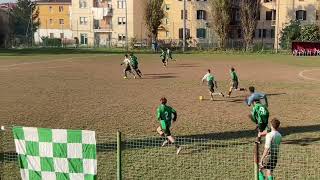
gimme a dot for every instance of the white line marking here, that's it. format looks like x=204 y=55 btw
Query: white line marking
x=306 y=77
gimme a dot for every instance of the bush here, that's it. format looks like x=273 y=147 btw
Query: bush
x=310 y=33
x=290 y=33
x=53 y=42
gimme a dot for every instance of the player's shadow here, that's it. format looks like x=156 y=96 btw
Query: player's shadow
x=160 y=76
x=302 y=141
x=190 y=65
x=276 y=94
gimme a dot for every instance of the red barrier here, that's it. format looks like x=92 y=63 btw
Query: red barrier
x=305 y=48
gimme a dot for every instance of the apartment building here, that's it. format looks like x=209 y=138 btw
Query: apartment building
x=103 y=22
x=197 y=20
x=54 y=16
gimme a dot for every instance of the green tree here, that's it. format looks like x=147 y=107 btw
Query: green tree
x=249 y=10
x=220 y=10
x=310 y=33
x=26 y=19
x=290 y=33
x=153 y=15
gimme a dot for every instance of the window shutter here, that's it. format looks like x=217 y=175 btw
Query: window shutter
x=205 y=15
x=304 y=15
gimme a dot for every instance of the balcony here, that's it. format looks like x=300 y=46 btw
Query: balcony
x=101 y=26
x=101 y=12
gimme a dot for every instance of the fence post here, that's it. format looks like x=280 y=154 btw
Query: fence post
x=256 y=160
x=119 y=149
x=2 y=152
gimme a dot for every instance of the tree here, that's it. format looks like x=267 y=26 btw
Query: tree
x=249 y=10
x=310 y=33
x=26 y=19
x=290 y=33
x=221 y=19
x=154 y=14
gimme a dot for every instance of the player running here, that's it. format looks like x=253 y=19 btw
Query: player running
x=211 y=84
x=270 y=154
x=135 y=64
x=166 y=114
x=260 y=116
x=127 y=66
x=164 y=58
x=234 y=82
x=256 y=96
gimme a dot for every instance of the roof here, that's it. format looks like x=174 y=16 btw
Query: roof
x=53 y=1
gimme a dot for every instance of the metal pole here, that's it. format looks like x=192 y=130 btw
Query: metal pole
x=31 y=21
x=277 y=26
x=256 y=160
x=126 y=4
x=184 y=25
x=119 y=175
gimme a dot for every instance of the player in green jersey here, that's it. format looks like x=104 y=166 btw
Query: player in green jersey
x=165 y=115
x=234 y=82
x=164 y=58
x=135 y=64
x=212 y=83
x=260 y=116
x=270 y=154
x=169 y=55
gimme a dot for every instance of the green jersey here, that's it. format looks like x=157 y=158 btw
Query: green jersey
x=260 y=114
x=163 y=54
x=134 y=61
x=210 y=78
x=165 y=112
x=234 y=76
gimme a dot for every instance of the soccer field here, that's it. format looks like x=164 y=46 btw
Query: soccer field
x=87 y=91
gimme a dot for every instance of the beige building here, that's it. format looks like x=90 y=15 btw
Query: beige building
x=103 y=22
x=197 y=24
x=270 y=23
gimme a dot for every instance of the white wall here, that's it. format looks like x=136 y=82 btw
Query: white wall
x=56 y=32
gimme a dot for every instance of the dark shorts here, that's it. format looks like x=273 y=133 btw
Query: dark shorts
x=128 y=68
x=165 y=127
x=211 y=88
x=235 y=84
x=163 y=60
x=262 y=127
x=270 y=162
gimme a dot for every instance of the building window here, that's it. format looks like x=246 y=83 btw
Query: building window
x=60 y=8
x=167 y=7
x=268 y=15
x=83 y=20
x=201 y=14
x=181 y=33
x=258 y=15
x=239 y=32
x=272 y=33
x=201 y=33
x=61 y=21
x=317 y=14
x=121 y=20
x=121 y=37
x=61 y=35
x=301 y=15
x=186 y=14
x=50 y=21
x=83 y=38
x=50 y=8
x=167 y=34
x=83 y=4
x=264 y=33
x=121 y=4
x=51 y=35
x=166 y=21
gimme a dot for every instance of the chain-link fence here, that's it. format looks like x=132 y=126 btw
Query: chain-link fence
x=144 y=158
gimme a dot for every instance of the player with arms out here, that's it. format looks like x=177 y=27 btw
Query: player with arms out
x=234 y=82
x=256 y=96
x=165 y=115
x=211 y=84
x=260 y=116
x=270 y=154
x=135 y=64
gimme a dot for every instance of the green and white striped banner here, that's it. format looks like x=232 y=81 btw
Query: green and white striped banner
x=56 y=154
